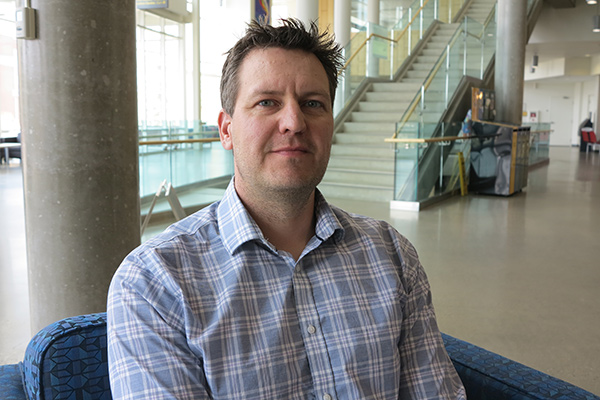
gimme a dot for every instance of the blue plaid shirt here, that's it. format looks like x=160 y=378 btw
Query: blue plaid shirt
x=210 y=309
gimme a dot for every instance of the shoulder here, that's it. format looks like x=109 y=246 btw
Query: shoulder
x=380 y=238
x=171 y=253
x=363 y=226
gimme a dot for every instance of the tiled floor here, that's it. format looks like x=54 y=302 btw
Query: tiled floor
x=519 y=276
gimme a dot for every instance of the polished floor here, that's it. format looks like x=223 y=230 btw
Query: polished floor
x=519 y=276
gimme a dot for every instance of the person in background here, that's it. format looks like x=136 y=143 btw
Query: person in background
x=272 y=292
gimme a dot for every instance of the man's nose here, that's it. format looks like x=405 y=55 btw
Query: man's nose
x=292 y=119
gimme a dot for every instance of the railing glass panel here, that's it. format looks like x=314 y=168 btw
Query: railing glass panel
x=378 y=52
x=465 y=54
x=540 y=142
x=410 y=184
x=469 y=52
x=183 y=164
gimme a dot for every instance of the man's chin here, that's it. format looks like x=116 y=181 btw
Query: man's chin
x=294 y=191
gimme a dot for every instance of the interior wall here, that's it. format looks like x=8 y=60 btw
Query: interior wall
x=326 y=15
x=565 y=104
x=564 y=25
x=554 y=103
x=216 y=38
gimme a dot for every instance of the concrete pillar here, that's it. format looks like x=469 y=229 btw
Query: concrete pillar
x=372 y=19
x=511 y=38
x=307 y=11
x=373 y=11
x=196 y=54
x=342 y=11
x=80 y=162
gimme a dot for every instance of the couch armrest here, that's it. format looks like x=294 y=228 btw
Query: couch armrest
x=68 y=359
x=489 y=376
x=11 y=384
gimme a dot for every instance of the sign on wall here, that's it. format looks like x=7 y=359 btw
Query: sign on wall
x=149 y=4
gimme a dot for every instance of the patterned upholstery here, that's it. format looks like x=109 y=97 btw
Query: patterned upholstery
x=11 y=384
x=68 y=360
x=489 y=376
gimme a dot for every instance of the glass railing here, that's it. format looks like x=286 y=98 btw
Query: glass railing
x=468 y=52
x=378 y=52
x=185 y=157
x=539 y=143
x=419 y=178
x=444 y=177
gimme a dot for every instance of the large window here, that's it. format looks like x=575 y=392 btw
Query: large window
x=161 y=75
x=9 y=94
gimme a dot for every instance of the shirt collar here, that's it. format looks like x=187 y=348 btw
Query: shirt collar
x=237 y=227
x=328 y=224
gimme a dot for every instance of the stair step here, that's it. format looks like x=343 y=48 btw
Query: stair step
x=436 y=45
x=361 y=139
x=385 y=150
x=363 y=163
x=419 y=65
x=426 y=59
x=362 y=116
x=398 y=97
x=417 y=74
x=394 y=87
x=357 y=177
x=432 y=52
x=356 y=192
x=371 y=127
x=387 y=106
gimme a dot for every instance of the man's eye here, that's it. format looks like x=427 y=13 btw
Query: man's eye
x=313 y=104
x=266 y=103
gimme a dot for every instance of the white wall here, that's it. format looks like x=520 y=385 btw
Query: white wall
x=554 y=103
x=586 y=100
x=565 y=104
x=221 y=25
x=565 y=25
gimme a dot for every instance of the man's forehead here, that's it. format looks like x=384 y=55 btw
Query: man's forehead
x=274 y=62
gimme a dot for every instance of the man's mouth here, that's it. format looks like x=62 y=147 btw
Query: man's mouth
x=291 y=150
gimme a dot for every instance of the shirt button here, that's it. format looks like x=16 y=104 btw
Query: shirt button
x=312 y=330
x=327 y=397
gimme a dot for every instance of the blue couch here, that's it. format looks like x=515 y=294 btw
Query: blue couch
x=67 y=360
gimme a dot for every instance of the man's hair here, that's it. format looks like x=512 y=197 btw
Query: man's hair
x=292 y=35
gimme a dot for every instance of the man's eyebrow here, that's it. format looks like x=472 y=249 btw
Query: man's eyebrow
x=316 y=93
x=270 y=92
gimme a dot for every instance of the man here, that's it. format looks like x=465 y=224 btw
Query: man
x=272 y=293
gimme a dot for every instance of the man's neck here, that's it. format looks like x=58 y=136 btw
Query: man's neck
x=287 y=225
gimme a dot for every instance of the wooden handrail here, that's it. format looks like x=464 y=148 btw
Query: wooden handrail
x=417 y=98
x=364 y=43
x=360 y=47
x=513 y=126
x=206 y=140
x=433 y=140
x=411 y=21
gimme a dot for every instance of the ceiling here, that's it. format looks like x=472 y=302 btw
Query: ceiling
x=564 y=30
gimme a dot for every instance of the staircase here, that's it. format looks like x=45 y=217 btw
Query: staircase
x=480 y=9
x=362 y=166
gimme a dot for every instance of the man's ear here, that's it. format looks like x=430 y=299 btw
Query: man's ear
x=225 y=125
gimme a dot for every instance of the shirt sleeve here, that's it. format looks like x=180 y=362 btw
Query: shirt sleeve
x=148 y=354
x=427 y=371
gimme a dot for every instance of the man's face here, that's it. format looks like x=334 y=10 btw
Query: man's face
x=282 y=125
